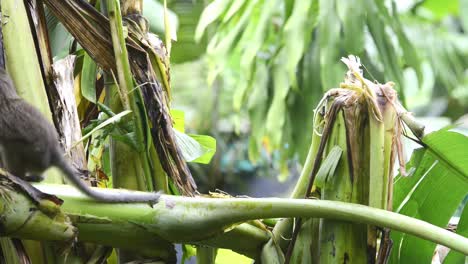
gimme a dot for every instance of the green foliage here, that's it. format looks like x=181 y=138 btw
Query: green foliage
x=445 y=55
x=440 y=9
x=228 y=256
x=154 y=11
x=433 y=192
x=280 y=57
x=194 y=148
x=88 y=78
x=10 y=254
x=462 y=229
x=327 y=169
x=112 y=125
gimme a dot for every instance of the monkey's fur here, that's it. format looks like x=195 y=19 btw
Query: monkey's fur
x=29 y=145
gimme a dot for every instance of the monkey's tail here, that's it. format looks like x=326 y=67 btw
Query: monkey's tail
x=114 y=196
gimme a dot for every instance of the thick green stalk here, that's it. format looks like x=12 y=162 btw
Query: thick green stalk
x=20 y=220
x=306 y=249
x=160 y=177
x=206 y=255
x=243 y=232
x=301 y=185
x=383 y=141
x=343 y=241
x=377 y=168
x=379 y=179
x=182 y=219
x=21 y=58
x=391 y=139
x=126 y=84
x=125 y=161
x=283 y=228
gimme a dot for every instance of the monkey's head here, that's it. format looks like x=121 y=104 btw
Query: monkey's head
x=7 y=88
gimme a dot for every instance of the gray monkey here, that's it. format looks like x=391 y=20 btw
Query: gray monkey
x=29 y=145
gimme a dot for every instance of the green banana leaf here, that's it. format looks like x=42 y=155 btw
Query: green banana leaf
x=433 y=192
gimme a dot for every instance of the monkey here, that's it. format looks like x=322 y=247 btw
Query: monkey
x=29 y=145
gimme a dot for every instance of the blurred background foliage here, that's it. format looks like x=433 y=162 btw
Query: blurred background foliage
x=250 y=73
x=258 y=68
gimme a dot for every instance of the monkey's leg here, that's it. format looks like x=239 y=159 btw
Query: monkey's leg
x=36 y=195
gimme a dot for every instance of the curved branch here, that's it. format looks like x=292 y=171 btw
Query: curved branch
x=183 y=219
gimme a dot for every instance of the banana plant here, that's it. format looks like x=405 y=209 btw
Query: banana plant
x=129 y=68
x=261 y=47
